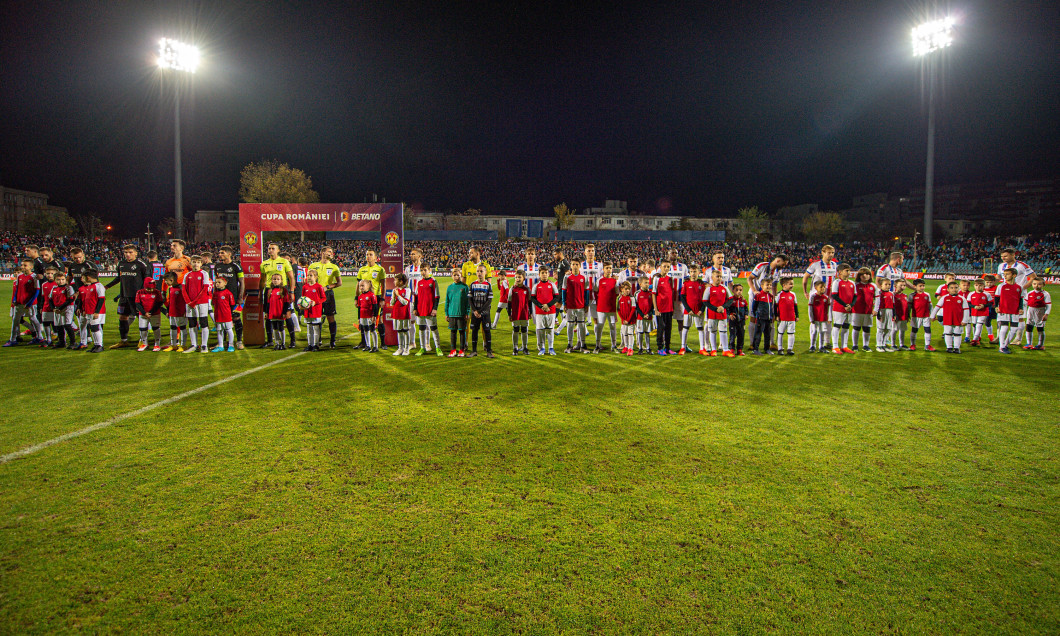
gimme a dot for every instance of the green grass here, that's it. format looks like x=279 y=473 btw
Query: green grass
x=344 y=492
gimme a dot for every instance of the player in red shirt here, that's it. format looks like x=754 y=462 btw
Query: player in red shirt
x=148 y=303
x=692 y=300
x=176 y=309
x=820 y=331
x=864 y=306
x=426 y=296
x=627 y=314
x=575 y=298
x=224 y=304
x=503 y=291
x=277 y=297
x=1039 y=306
x=519 y=312
x=901 y=314
x=63 y=308
x=952 y=312
x=920 y=315
x=645 y=304
x=717 y=300
x=197 y=290
x=979 y=305
x=787 y=315
x=606 y=295
x=545 y=296
x=843 y=294
x=24 y=293
x=885 y=317
x=665 y=295
x=93 y=299
x=1009 y=303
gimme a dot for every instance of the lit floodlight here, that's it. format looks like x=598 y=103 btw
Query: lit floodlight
x=177 y=55
x=932 y=36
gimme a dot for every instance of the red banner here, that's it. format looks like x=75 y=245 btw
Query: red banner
x=257 y=218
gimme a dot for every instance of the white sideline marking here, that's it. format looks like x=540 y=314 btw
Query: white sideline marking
x=29 y=450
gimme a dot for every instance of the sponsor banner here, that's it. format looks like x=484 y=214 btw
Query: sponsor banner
x=101 y=275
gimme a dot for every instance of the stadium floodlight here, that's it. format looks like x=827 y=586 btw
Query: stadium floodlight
x=928 y=38
x=177 y=56
x=932 y=36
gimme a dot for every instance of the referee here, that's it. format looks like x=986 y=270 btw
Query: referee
x=329 y=276
x=276 y=264
x=374 y=273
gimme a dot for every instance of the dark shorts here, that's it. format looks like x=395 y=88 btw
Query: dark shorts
x=457 y=323
x=476 y=322
x=126 y=306
x=329 y=303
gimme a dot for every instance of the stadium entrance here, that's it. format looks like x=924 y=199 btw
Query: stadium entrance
x=257 y=218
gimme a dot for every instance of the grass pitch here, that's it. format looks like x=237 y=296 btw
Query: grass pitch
x=348 y=492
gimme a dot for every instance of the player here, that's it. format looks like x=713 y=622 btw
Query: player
x=901 y=315
x=787 y=312
x=575 y=292
x=631 y=273
x=665 y=301
x=233 y=275
x=627 y=314
x=891 y=270
x=329 y=276
x=545 y=296
x=469 y=270
x=518 y=308
x=1009 y=299
x=864 y=306
x=823 y=270
x=764 y=310
x=480 y=299
x=426 y=298
x=401 y=313
x=737 y=313
x=177 y=310
x=1039 y=305
x=277 y=303
x=979 y=303
x=178 y=263
x=456 y=310
x=592 y=271
x=692 y=291
x=93 y=299
x=530 y=269
x=132 y=272
x=414 y=273
x=820 y=328
x=843 y=294
x=717 y=262
x=1024 y=272
x=606 y=295
x=148 y=305
x=224 y=305
x=717 y=301
x=952 y=311
x=645 y=303
x=63 y=308
x=503 y=289
x=885 y=317
x=769 y=270
x=24 y=293
x=47 y=316
x=197 y=290
x=920 y=315
x=375 y=276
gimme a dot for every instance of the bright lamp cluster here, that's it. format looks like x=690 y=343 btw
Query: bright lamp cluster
x=932 y=36
x=177 y=55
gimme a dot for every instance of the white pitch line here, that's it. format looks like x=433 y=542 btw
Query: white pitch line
x=29 y=450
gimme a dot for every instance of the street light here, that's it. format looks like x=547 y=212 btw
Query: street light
x=177 y=56
x=927 y=39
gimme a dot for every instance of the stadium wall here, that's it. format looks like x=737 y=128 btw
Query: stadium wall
x=683 y=236
x=420 y=235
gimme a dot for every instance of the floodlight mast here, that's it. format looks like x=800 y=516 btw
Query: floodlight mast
x=928 y=38
x=177 y=56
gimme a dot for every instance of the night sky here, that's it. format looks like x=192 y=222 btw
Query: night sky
x=692 y=109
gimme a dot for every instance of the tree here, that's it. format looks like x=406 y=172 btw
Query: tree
x=684 y=224
x=273 y=182
x=753 y=221
x=53 y=222
x=466 y=220
x=91 y=225
x=821 y=227
x=564 y=216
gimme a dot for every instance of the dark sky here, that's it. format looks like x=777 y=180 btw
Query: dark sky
x=697 y=107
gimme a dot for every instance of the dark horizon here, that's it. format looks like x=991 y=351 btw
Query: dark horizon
x=684 y=109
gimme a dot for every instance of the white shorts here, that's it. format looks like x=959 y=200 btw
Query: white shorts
x=18 y=311
x=427 y=321
x=886 y=321
x=1009 y=318
x=319 y=320
x=840 y=318
x=679 y=312
x=48 y=316
x=1036 y=316
x=980 y=320
x=501 y=306
x=645 y=325
x=545 y=321
x=198 y=311
x=786 y=326
x=590 y=311
x=401 y=324
x=900 y=325
x=575 y=315
x=861 y=320
x=718 y=325
x=694 y=319
x=520 y=323
x=149 y=321
x=606 y=317
x=177 y=321
x=367 y=322
x=920 y=322
x=59 y=319
x=100 y=319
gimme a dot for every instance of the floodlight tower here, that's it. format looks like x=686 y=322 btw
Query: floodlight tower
x=180 y=58
x=928 y=38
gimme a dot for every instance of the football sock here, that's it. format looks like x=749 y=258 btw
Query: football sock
x=452 y=339
x=157 y=332
x=551 y=338
x=173 y=336
x=990 y=330
x=846 y=335
x=143 y=334
x=62 y=337
x=205 y=336
x=539 y=335
x=684 y=338
x=333 y=328
x=598 y=330
x=123 y=329
x=835 y=336
x=978 y=331
x=97 y=335
x=791 y=341
x=712 y=341
x=237 y=324
x=927 y=336
x=1041 y=336
x=724 y=336
x=194 y=338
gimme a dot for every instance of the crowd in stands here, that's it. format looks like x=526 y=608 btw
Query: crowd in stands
x=971 y=253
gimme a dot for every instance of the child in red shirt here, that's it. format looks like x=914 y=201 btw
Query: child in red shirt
x=148 y=302
x=277 y=297
x=224 y=304
x=314 y=313
x=627 y=314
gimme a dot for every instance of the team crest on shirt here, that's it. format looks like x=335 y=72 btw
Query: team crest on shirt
x=391 y=238
x=250 y=238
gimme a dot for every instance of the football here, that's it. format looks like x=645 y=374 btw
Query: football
x=305 y=303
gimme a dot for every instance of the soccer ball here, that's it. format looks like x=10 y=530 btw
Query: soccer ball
x=305 y=302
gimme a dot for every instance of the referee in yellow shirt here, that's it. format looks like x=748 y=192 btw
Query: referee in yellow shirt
x=329 y=276
x=469 y=270
x=374 y=273
x=276 y=265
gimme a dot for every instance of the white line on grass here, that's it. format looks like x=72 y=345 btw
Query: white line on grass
x=29 y=450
